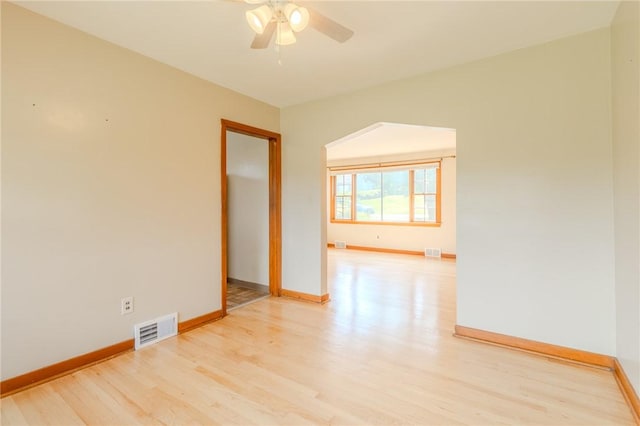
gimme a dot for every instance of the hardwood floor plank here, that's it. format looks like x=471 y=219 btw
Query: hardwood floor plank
x=381 y=352
x=10 y=413
x=43 y=405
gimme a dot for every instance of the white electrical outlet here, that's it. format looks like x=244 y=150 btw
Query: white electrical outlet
x=126 y=305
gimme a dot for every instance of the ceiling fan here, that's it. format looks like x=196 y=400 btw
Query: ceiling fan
x=284 y=18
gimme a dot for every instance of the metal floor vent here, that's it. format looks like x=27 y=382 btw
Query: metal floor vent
x=150 y=332
x=432 y=252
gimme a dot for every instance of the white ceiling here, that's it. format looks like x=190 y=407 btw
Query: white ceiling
x=382 y=139
x=393 y=39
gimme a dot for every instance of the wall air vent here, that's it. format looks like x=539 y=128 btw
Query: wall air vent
x=340 y=244
x=150 y=332
x=433 y=252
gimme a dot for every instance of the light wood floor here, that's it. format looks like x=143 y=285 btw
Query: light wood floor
x=381 y=352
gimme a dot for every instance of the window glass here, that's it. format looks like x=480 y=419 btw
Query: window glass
x=369 y=197
x=430 y=179
x=419 y=208
x=395 y=196
x=386 y=196
x=418 y=181
x=342 y=200
x=430 y=202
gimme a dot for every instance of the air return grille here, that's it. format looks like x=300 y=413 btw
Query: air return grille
x=432 y=252
x=148 y=333
x=153 y=331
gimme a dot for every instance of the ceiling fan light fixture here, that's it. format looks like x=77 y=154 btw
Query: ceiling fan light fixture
x=259 y=18
x=297 y=16
x=284 y=35
x=283 y=18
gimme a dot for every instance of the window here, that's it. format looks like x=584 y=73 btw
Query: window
x=343 y=185
x=397 y=195
x=425 y=194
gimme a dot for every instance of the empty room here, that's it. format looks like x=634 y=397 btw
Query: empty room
x=441 y=206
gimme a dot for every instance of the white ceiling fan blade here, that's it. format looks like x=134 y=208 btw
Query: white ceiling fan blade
x=261 y=41
x=329 y=27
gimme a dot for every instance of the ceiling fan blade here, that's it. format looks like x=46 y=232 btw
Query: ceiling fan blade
x=261 y=41
x=328 y=27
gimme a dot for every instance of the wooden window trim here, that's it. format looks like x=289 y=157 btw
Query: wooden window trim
x=333 y=201
x=354 y=221
x=437 y=194
x=423 y=224
x=412 y=195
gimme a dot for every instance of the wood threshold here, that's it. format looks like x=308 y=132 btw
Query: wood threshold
x=627 y=390
x=395 y=251
x=540 y=348
x=71 y=365
x=305 y=296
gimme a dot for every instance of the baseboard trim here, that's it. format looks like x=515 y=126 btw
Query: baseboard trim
x=305 y=296
x=627 y=389
x=540 y=348
x=394 y=251
x=53 y=371
x=196 y=322
x=62 y=368
x=385 y=250
x=559 y=352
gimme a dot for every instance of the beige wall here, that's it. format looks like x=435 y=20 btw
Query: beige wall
x=534 y=185
x=110 y=184
x=625 y=46
x=415 y=238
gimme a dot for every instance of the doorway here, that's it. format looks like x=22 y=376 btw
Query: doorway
x=391 y=189
x=252 y=256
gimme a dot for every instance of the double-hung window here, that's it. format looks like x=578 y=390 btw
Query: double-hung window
x=343 y=197
x=397 y=194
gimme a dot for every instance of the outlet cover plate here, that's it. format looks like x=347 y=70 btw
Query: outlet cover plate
x=126 y=305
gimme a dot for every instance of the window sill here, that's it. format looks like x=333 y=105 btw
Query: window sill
x=419 y=224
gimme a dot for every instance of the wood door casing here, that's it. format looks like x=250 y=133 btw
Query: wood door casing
x=275 y=197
